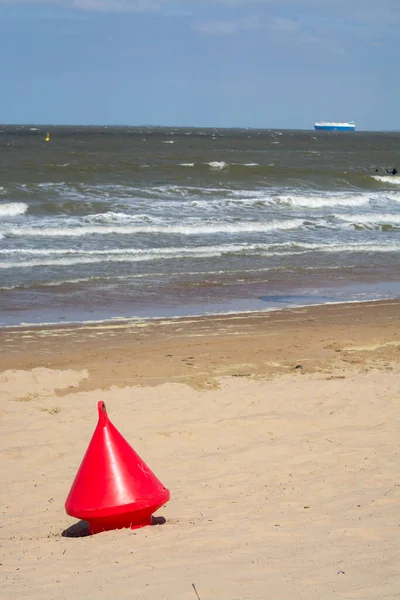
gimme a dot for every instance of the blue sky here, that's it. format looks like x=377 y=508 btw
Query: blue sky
x=222 y=63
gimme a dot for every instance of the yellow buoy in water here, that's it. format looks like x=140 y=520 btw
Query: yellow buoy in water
x=47 y=138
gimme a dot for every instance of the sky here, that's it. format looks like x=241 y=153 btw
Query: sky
x=201 y=63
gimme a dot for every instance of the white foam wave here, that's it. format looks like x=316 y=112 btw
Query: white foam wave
x=195 y=229
x=216 y=165
x=161 y=274
x=173 y=251
x=12 y=209
x=353 y=247
x=186 y=164
x=371 y=219
x=222 y=248
x=49 y=185
x=320 y=202
x=118 y=217
x=393 y=179
x=75 y=257
x=247 y=193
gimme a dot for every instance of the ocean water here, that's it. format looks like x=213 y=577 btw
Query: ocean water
x=105 y=222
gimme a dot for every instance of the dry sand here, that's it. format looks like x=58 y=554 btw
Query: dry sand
x=284 y=481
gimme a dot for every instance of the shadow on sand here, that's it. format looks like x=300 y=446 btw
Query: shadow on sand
x=81 y=528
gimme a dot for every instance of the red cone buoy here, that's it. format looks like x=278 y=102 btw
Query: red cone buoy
x=113 y=487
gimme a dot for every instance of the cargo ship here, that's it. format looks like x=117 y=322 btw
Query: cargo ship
x=335 y=126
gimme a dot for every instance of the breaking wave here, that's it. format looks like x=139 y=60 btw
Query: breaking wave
x=143 y=229
x=322 y=202
x=393 y=179
x=13 y=209
x=69 y=257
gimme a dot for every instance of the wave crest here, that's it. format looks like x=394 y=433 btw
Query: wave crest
x=230 y=228
x=319 y=202
x=13 y=209
x=393 y=179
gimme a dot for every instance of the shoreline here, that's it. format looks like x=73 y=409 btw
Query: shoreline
x=200 y=350
x=252 y=301
x=136 y=320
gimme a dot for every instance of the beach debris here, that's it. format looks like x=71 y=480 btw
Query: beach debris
x=195 y=591
x=114 y=488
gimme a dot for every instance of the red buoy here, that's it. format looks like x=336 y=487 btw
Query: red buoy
x=113 y=487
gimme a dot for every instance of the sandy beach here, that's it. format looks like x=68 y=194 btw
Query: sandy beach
x=276 y=433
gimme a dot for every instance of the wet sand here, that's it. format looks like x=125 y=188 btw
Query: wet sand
x=198 y=351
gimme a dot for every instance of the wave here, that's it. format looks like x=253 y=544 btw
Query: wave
x=80 y=197
x=75 y=257
x=71 y=256
x=393 y=179
x=225 y=248
x=320 y=202
x=81 y=207
x=120 y=217
x=47 y=185
x=98 y=279
x=388 y=219
x=86 y=193
x=233 y=228
x=353 y=247
x=218 y=165
x=13 y=209
x=80 y=257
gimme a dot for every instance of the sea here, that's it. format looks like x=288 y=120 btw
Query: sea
x=102 y=223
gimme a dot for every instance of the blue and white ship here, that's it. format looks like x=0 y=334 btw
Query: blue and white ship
x=335 y=126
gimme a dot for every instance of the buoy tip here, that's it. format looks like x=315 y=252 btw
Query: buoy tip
x=101 y=407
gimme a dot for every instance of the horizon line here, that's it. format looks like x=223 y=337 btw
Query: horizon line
x=148 y=125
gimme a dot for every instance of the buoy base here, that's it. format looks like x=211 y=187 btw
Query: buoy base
x=126 y=521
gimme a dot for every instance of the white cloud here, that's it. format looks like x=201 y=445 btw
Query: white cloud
x=116 y=5
x=97 y=5
x=228 y=27
x=216 y=27
x=279 y=30
x=371 y=11
x=280 y=25
x=284 y=25
x=384 y=11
